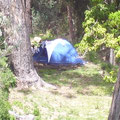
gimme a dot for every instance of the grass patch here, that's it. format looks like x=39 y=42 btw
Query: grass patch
x=48 y=106
x=85 y=80
x=82 y=95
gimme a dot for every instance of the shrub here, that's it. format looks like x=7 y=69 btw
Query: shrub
x=92 y=56
x=111 y=77
x=7 y=79
x=110 y=72
x=4 y=107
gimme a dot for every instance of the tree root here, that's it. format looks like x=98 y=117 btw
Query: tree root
x=33 y=80
x=34 y=84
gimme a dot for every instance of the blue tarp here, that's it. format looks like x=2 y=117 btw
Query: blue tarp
x=58 y=51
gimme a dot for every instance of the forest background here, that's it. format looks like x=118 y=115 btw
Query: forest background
x=91 y=25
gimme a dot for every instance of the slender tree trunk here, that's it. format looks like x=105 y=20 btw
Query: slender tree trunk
x=112 y=57
x=79 y=7
x=71 y=28
x=115 y=106
x=19 y=40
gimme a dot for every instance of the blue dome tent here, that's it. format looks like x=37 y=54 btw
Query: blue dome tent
x=58 y=51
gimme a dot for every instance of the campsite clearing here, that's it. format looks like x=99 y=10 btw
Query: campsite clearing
x=81 y=95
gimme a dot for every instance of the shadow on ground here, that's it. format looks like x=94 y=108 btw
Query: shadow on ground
x=84 y=80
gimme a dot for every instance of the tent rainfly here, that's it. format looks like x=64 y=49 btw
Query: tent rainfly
x=58 y=51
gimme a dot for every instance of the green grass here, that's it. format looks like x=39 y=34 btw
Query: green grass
x=82 y=94
x=85 y=80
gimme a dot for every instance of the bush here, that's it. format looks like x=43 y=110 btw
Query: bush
x=4 y=106
x=110 y=72
x=92 y=56
x=111 y=77
x=106 y=66
x=7 y=79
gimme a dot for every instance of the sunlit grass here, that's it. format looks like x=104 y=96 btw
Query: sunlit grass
x=81 y=95
x=85 y=80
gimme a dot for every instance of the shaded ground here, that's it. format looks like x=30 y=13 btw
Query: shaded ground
x=81 y=95
x=86 y=79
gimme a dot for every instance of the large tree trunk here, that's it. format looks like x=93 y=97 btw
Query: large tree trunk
x=115 y=106
x=21 y=55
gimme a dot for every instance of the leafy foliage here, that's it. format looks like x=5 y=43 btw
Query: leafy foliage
x=114 y=28
x=110 y=72
x=111 y=77
x=47 y=36
x=7 y=78
x=4 y=107
x=92 y=56
x=101 y=27
x=96 y=27
x=49 y=15
x=42 y=20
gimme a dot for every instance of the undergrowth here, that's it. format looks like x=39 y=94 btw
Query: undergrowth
x=7 y=80
x=109 y=71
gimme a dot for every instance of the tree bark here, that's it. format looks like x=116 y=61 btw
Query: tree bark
x=29 y=16
x=115 y=106
x=21 y=55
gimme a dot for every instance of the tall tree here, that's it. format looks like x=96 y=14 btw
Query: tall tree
x=19 y=40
